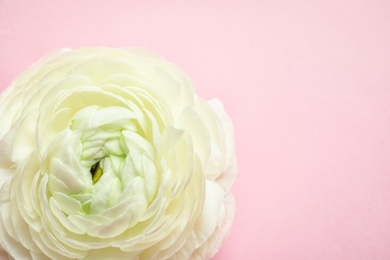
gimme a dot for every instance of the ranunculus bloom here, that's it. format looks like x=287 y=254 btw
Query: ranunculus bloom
x=109 y=154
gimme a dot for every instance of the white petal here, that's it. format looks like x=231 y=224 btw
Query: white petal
x=209 y=218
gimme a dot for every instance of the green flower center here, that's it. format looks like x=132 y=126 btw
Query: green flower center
x=96 y=172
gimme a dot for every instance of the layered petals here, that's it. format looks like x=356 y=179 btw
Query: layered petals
x=109 y=153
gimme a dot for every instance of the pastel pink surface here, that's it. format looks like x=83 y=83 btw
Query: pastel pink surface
x=307 y=85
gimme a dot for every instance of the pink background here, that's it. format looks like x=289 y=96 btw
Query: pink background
x=307 y=84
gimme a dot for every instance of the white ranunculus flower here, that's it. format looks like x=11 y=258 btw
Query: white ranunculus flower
x=109 y=154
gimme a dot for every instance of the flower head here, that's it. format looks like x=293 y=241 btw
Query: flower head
x=109 y=153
